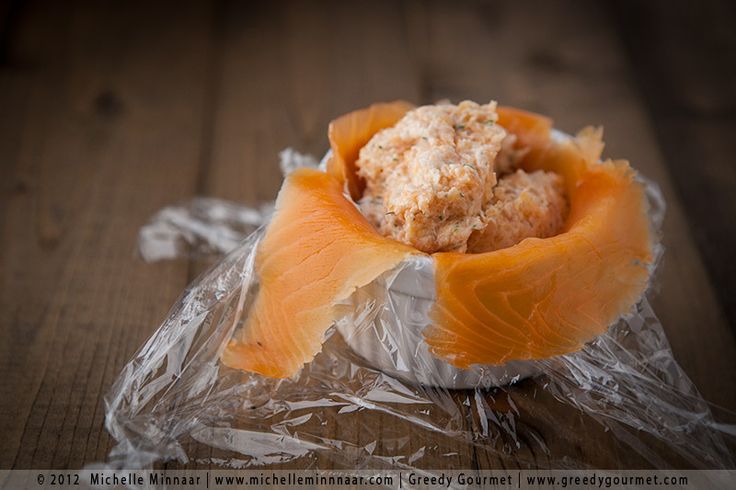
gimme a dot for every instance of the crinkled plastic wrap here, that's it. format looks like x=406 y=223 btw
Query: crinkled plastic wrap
x=374 y=397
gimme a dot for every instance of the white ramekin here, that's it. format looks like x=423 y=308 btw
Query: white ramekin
x=386 y=326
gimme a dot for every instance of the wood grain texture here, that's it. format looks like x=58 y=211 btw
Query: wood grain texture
x=684 y=58
x=106 y=89
x=111 y=112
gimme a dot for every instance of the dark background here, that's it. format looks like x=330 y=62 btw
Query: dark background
x=111 y=110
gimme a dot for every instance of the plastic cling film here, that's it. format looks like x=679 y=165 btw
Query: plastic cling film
x=375 y=398
x=207 y=226
x=200 y=227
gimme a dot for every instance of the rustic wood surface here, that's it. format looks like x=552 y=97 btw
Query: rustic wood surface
x=110 y=111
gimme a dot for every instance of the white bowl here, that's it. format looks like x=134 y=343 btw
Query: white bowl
x=386 y=326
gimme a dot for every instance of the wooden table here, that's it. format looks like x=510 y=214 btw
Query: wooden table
x=110 y=111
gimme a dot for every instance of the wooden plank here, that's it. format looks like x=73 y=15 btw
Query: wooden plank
x=563 y=59
x=686 y=73
x=111 y=133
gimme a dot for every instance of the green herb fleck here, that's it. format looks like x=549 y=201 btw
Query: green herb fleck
x=458 y=127
x=490 y=122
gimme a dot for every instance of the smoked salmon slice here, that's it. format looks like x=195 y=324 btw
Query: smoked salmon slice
x=531 y=129
x=316 y=251
x=537 y=299
x=548 y=297
x=349 y=133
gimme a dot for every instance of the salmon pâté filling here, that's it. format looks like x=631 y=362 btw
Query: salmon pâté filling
x=444 y=178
